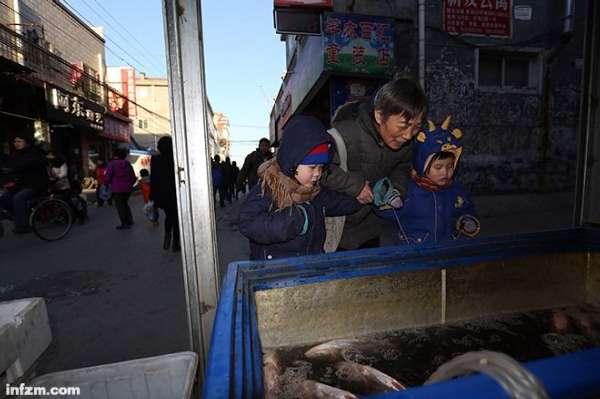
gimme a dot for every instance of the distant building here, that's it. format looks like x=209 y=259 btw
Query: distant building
x=52 y=83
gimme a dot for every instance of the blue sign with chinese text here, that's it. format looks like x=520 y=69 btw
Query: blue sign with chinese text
x=358 y=43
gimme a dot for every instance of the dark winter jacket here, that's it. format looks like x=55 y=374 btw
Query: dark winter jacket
x=30 y=167
x=430 y=216
x=250 y=168
x=369 y=159
x=162 y=182
x=277 y=233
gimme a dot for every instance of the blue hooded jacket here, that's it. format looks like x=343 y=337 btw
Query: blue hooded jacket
x=278 y=233
x=432 y=216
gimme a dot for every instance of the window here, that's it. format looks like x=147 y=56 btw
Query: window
x=512 y=71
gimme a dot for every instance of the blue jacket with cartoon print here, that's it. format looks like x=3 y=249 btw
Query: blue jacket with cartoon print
x=429 y=215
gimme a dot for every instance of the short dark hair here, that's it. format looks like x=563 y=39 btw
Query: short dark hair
x=439 y=156
x=144 y=172
x=401 y=96
x=264 y=140
x=120 y=153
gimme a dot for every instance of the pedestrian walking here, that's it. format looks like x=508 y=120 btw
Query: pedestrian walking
x=100 y=175
x=229 y=182
x=163 y=191
x=235 y=172
x=121 y=178
x=218 y=178
x=249 y=173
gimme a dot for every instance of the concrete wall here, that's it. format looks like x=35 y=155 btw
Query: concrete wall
x=153 y=94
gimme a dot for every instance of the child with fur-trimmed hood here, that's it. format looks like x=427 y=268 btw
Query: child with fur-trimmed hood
x=284 y=214
x=437 y=207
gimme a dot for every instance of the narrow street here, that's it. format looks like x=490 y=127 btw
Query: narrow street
x=111 y=295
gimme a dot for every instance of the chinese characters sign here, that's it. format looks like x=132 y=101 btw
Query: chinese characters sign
x=358 y=44
x=77 y=108
x=118 y=103
x=304 y=3
x=478 y=17
x=116 y=129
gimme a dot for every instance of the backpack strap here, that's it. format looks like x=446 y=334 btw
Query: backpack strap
x=340 y=147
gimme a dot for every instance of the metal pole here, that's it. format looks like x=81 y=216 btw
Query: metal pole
x=588 y=116
x=185 y=57
x=422 y=43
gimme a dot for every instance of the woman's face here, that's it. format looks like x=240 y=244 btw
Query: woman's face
x=20 y=144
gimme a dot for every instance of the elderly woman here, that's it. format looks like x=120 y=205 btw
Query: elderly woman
x=121 y=177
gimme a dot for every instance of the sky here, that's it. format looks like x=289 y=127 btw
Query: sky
x=244 y=57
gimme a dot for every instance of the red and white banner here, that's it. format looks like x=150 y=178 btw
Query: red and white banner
x=328 y=4
x=478 y=17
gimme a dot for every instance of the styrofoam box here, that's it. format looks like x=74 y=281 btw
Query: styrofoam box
x=161 y=377
x=32 y=331
x=8 y=348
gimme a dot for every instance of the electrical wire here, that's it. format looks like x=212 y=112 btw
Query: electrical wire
x=76 y=11
x=109 y=24
x=65 y=74
x=65 y=33
x=122 y=26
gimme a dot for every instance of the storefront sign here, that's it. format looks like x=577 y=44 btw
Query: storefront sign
x=116 y=129
x=478 y=17
x=118 y=103
x=358 y=44
x=304 y=3
x=76 y=109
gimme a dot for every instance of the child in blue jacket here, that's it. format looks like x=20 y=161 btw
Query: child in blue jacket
x=284 y=214
x=437 y=207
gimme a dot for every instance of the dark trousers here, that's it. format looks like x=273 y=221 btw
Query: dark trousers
x=172 y=222
x=122 y=205
x=19 y=203
x=222 y=194
x=373 y=243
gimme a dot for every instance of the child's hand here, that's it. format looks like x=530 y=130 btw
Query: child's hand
x=468 y=225
x=385 y=195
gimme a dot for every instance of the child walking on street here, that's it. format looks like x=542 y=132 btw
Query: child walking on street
x=284 y=214
x=437 y=207
x=100 y=175
x=149 y=209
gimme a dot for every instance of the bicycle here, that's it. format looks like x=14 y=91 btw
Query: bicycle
x=50 y=219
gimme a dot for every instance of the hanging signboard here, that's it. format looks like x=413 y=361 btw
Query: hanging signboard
x=478 y=17
x=358 y=44
x=304 y=3
x=117 y=128
x=70 y=108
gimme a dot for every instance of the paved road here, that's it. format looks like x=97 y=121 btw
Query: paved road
x=111 y=295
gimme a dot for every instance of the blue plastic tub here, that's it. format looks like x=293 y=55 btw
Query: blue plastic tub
x=476 y=277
